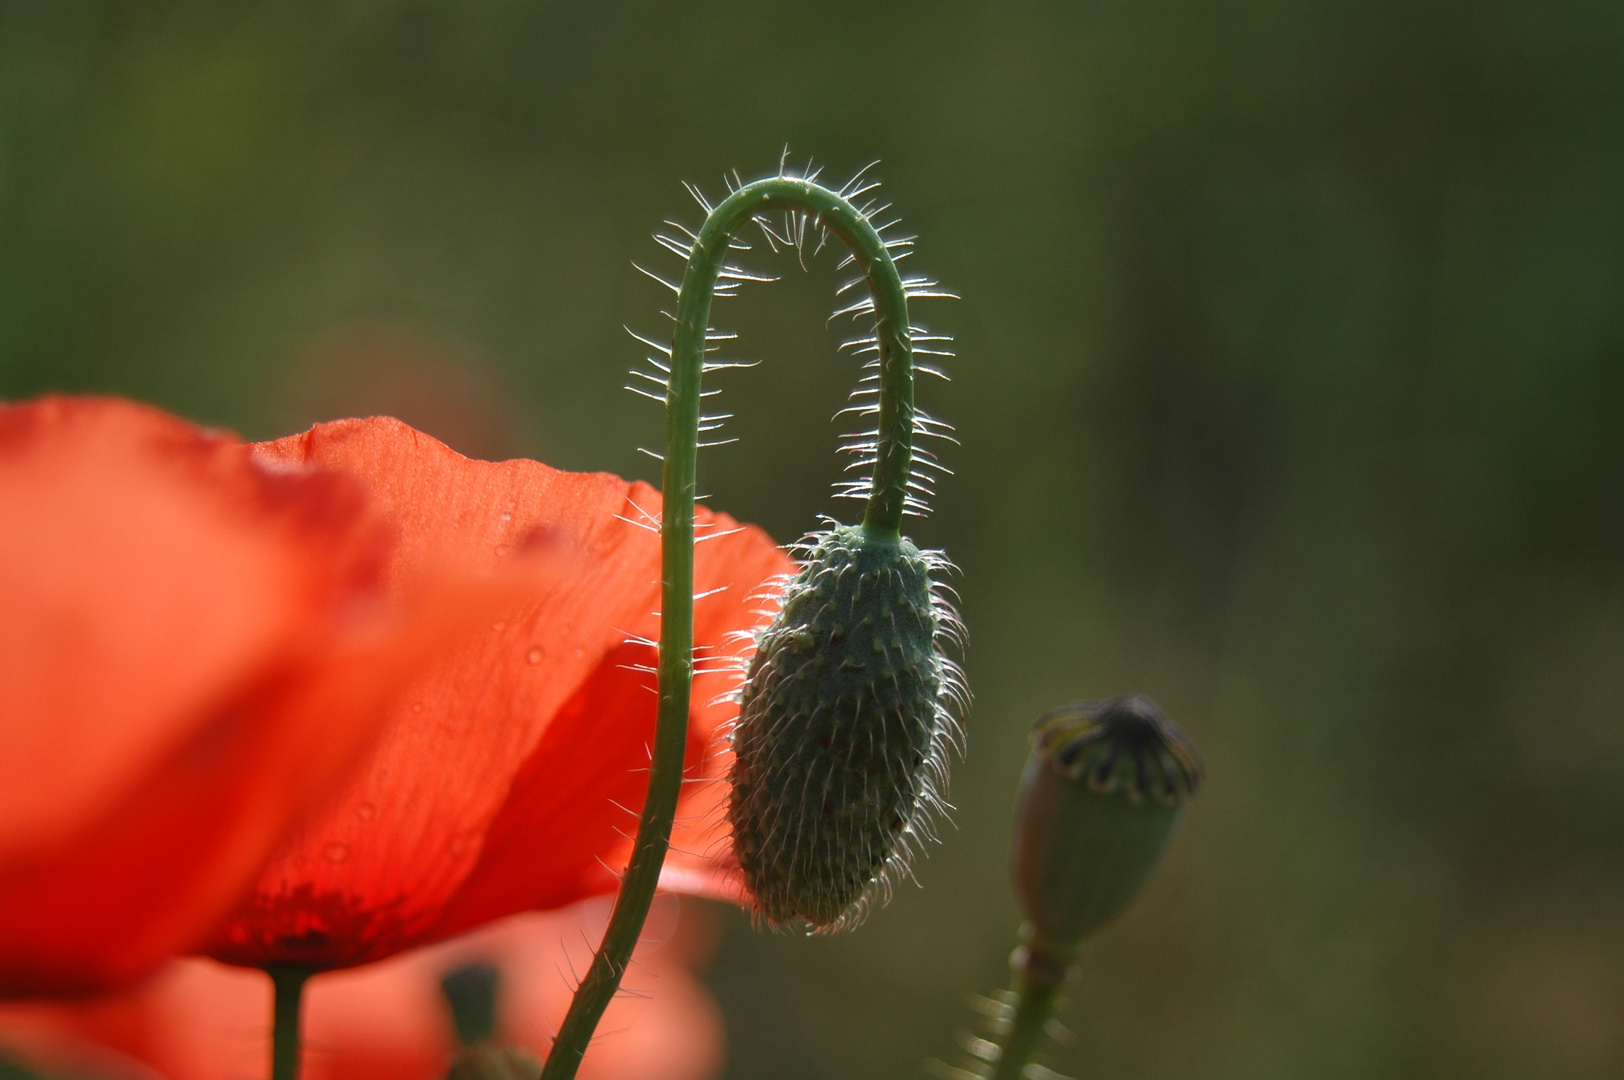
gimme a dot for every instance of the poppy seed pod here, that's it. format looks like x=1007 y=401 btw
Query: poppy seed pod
x=1102 y=795
x=840 y=748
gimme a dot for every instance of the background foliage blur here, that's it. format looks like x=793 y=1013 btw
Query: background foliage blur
x=1290 y=386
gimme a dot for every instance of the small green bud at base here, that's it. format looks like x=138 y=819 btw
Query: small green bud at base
x=470 y=992
x=487 y=1061
x=839 y=752
x=12 y=1070
x=1101 y=797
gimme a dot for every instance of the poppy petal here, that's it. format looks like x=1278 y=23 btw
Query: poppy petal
x=554 y=842
x=177 y=677
x=471 y=750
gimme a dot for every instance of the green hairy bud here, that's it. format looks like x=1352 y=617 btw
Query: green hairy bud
x=1102 y=795
x=840 y=749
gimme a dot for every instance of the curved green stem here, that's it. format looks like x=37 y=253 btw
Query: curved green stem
x=887 y=500
x=289 y=983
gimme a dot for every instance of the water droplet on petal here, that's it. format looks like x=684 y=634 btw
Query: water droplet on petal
x=366 y=811
x=507 y=515
x=336 y=852
x=501 y=549
x=499 y=625
x=417 y=706
x=533 y=656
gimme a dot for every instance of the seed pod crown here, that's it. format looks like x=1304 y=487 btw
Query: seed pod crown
x=840 y=750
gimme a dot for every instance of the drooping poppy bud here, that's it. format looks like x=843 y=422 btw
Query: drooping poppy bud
x=840 y=750
x=1101 y=797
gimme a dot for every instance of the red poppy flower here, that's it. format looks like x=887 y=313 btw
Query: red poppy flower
x=509 y=775
x=200 y=640
x=199 y=1020
x=195 y=645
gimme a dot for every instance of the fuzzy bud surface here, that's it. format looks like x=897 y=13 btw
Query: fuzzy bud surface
x=840 y=749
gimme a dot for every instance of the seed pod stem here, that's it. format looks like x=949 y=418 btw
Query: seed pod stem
x=822 y=210
x=1035 y=1004
x=1101 y=797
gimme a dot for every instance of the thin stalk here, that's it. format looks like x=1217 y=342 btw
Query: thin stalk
x=1033 y=1008
x=289 y=983
x=887 y=498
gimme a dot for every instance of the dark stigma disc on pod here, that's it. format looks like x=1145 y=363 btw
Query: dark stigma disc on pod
x=840 y=748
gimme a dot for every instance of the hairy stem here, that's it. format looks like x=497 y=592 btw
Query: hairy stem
x=887 y=499
x=289 y=983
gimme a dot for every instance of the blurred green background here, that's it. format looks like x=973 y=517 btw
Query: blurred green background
x=1291 y=389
